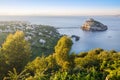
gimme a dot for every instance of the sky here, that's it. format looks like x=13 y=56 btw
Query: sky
x=59 y=7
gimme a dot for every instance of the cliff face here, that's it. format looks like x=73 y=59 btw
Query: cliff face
x=92 y=25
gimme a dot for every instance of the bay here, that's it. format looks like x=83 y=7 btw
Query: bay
x=88 y=40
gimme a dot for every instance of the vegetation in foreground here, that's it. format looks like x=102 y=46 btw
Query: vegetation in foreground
x=96 y=64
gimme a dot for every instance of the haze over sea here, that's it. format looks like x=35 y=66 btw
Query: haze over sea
x=88 y=40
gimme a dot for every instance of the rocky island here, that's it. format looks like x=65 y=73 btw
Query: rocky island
x=93 y=25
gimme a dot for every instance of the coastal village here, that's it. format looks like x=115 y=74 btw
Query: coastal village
x=37 y=35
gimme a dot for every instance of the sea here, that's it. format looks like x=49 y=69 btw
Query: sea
x=70 y=25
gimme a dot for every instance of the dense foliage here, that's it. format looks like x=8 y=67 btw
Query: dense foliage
x=62 y=52
x=96 y=64
x=15 y=52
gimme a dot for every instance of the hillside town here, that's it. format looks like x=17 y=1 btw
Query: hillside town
x=37 y=35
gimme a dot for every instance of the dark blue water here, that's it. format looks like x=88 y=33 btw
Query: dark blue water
x=109 y=39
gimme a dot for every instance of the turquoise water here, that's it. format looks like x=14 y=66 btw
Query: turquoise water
x=109 y=39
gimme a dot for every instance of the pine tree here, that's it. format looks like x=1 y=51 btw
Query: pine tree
x=62 y=52
x=16 y=50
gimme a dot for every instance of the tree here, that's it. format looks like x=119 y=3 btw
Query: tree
x=16 y=76
x=52 y=64
x=16 y=50
x=60 y=76
x=3 y=66
x=113 y=74
x=62 y=52
x=37 y=68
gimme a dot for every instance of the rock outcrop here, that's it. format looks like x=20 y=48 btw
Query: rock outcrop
x=92 y=25
x=76 y=37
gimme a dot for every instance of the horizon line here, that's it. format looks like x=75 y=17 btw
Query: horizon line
x=61 y=15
